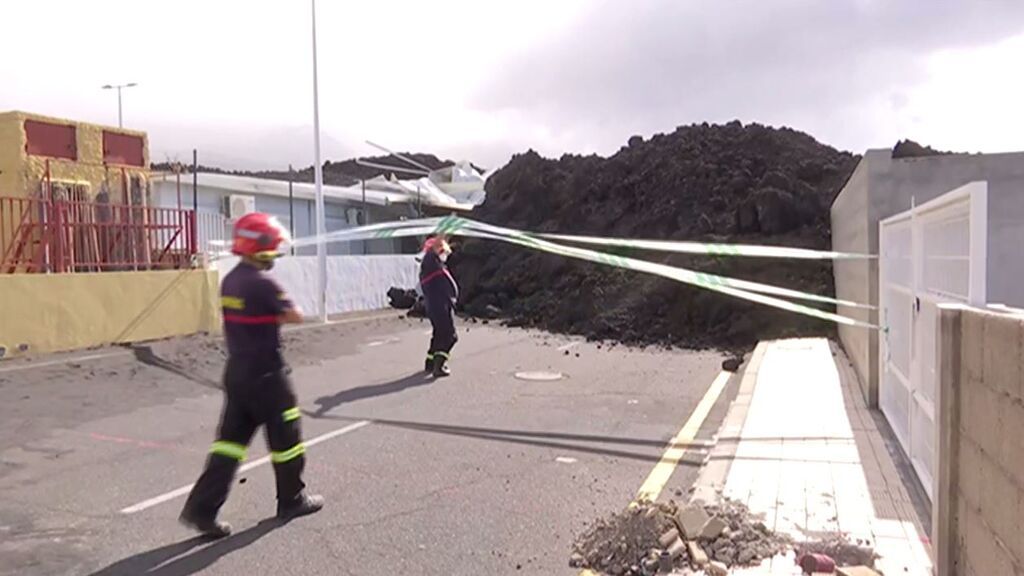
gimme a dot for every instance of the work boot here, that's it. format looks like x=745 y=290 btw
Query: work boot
x=209 y=527
x=428 y=366
x=440 y=367
x=304 y=505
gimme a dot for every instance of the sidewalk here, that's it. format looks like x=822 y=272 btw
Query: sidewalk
x=800 y=446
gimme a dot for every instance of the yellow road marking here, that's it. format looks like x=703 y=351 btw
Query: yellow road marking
x=663 y=470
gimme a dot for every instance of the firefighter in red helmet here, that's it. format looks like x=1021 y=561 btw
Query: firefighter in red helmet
x=440 y=292
x=257 y=389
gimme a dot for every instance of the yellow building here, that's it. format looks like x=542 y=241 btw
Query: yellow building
x=85 y=158
x=99 y=272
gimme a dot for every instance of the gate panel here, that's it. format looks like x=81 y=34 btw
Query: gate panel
x=930 y=255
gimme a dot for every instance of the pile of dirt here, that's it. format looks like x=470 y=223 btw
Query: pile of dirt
x=636 y=541
x=622 y=543
x=721 y=183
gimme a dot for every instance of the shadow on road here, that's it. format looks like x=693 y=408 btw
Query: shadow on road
x=145 y=355
x=328 y=403
x=182 y=558
x=585 y=443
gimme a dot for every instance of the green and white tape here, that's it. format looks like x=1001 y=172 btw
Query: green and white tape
x=766 y=294
x=714 y=282
x=710 y=249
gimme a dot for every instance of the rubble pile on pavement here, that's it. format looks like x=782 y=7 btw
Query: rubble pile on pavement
x=622 y=543
x=734 y=536
x=650 y=537
x=718 y=183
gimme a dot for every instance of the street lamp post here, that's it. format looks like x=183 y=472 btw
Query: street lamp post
x=120 y=120
x=318 y=179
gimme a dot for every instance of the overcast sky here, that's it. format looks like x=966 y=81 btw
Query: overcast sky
x=482 y=80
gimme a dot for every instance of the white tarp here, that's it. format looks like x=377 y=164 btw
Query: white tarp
x=354 y=283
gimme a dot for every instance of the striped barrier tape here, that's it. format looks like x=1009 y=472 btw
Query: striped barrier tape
x=747 y=290
x=710 y=249
x=709 y=281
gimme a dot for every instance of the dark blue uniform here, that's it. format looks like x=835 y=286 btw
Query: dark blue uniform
x=440 y=292
x=257 y=393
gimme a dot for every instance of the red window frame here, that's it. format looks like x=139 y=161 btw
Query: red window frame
x=124 y=149
x=52 y=140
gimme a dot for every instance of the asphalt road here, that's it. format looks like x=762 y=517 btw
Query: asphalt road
x=480 y=473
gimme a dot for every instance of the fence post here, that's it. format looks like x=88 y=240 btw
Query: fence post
x=57 y=236
x=192 y=238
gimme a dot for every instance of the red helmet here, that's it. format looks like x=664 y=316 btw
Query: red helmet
x=437 y=244
x=259 y=236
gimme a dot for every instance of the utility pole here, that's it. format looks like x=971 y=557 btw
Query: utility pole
x=321 y=224
x=291 y=207
x=365 y=219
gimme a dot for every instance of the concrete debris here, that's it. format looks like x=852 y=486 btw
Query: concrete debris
x=713 y=528
x=691 y=520
x=632 y=542
x=628 y=540
x=697 y=555
x=669 y=537
x=717 y=569
x=677 y=549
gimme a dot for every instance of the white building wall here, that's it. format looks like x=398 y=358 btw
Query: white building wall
x=354 y=283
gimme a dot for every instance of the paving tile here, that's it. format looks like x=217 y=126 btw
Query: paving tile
x=898 y=557
x=888 y=528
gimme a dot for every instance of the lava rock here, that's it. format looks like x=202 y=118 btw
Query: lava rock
x=736 y=183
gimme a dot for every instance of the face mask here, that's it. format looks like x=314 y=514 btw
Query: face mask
x=268 y=265
x=443 y=256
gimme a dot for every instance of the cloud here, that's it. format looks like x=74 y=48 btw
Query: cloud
x=646 y=66
x=481 y=81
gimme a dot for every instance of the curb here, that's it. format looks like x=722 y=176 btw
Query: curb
x=714 y=472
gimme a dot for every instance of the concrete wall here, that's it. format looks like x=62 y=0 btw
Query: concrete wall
x=21 y=174
x=850 y=231
x=882 y=187
x=44 y=313
x=980 y=503
x=354 y=283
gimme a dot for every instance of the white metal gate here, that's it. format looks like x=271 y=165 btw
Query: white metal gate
x=932 y=254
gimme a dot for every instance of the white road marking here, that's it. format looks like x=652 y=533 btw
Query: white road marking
x=568 y=346
x=376 y=343
x=184 y=490
x=565 y=460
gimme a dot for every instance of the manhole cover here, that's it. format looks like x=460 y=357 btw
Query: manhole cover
x=540 y=376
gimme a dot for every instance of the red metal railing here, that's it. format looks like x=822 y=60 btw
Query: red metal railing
x=38 y=235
